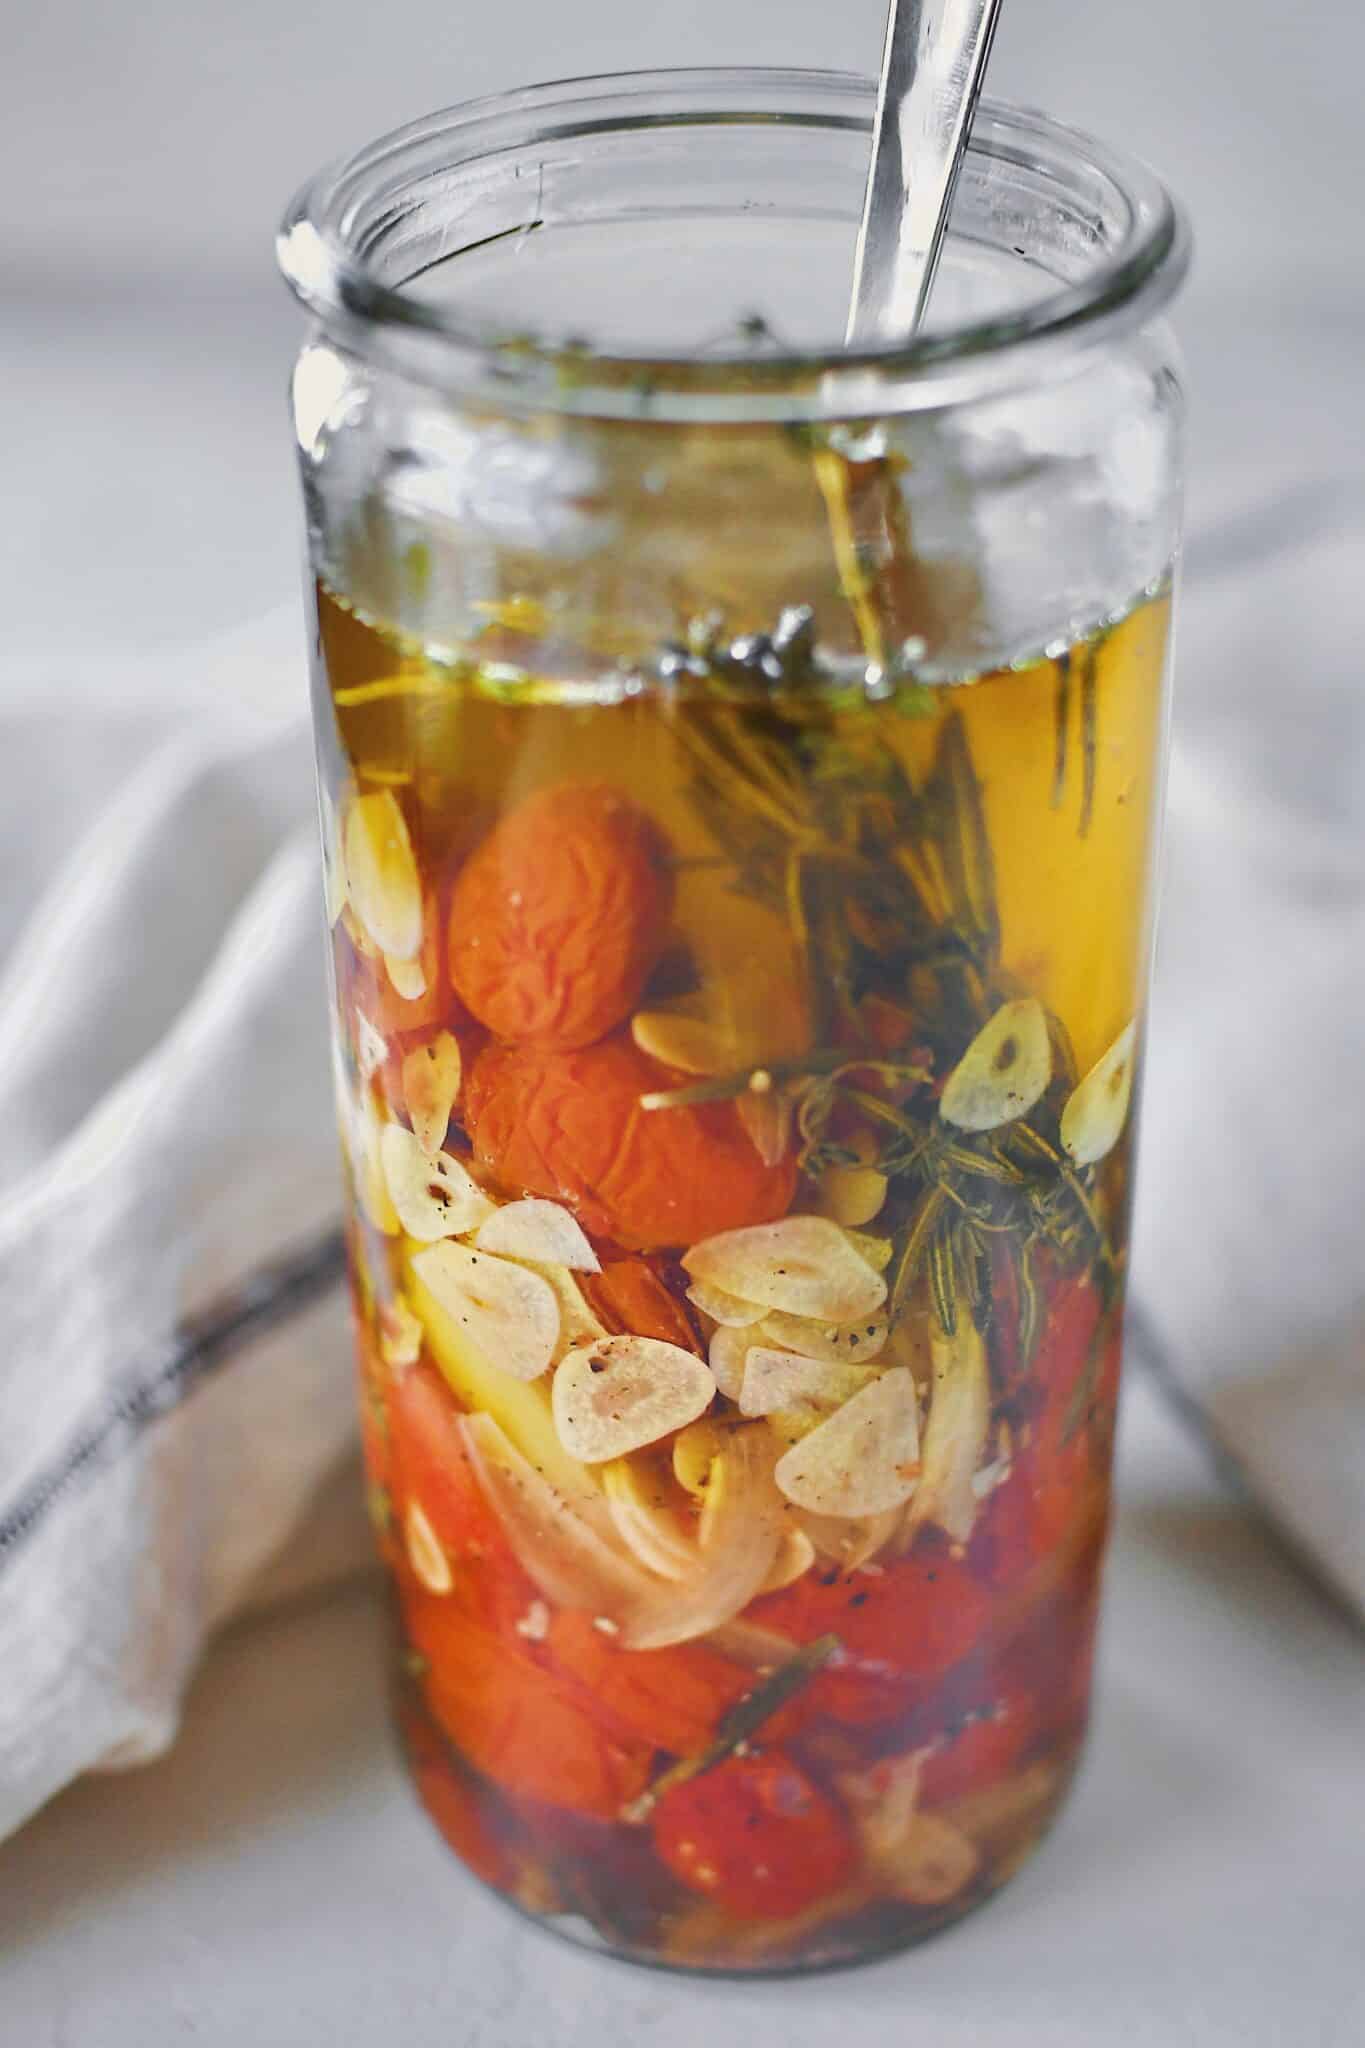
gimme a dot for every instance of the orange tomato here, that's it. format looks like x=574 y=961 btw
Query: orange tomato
x=632 y=1295
x=569 y=1125
x=557 y=918
x=515 y=1720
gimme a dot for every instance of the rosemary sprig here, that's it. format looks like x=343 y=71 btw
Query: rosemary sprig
x=736 y=1727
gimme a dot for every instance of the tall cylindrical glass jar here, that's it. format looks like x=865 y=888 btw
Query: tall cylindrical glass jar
x=740 y=761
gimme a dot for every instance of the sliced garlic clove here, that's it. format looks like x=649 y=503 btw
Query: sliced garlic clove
x=577 y=1323
x=1096 y=1113
x=430 y=1565
x=509 y=1314
x=726 y=1355
x=875 y=1250
x=616 y=1396
x=864 y=1460
x=544 y=1231
x=793 y=1561
x=434 y=1195
x=695 y=1451
x=852 y=1195
x=768 y=1118
x=932 y=1862
x=723 y=1308
x=400 y=1335
x=431 y=1082
x=847 y=1343
x=371 y=1046
x=804 y=1265
x=675 y=1039
x=1003 y=1072
x=406 y=976
x=382 y=882
x=780 y=1379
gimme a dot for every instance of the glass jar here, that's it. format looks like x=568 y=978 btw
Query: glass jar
x=740 y=761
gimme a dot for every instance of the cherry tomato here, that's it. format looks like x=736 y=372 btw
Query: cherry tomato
x=569 y=1125
x=514 y=1718
x=557 y=918
x=632 y=1294
x=901 y=1629
x=756 y=1835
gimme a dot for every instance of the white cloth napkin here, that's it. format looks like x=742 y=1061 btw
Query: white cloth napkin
x=176 y=1377
x=177 y=1380
x=1250 y=1260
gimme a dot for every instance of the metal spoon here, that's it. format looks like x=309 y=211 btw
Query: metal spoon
x=932 y=67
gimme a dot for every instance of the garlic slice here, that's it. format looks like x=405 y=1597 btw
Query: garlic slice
x=723 y=1308
x=852 y=1195
x=400 y=1335
x=382 y=883
x=768 y=1120
x=804 y=1265
x=431 y=1082
x=864 y=1460
x=577 y=1323
x=434 y=1195
x=876 y=1250
x=954 y=1435
x=1097 y=1111
x=932 y=1862
x=508 y=1314
x=1004 y=1070
x=780 y=1379
x=540 y=1230
x=407 y=977
x=430 y=1565
x=692 y=1044
x=616 y=1396
x=727 y=1356
x=844 y=1343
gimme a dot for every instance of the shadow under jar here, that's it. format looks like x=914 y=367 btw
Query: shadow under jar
x=739 y=764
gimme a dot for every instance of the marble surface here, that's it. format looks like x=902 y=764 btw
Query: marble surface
x=273 y=1881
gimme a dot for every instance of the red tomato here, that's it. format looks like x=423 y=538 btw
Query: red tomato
x=756 y=1835
x=632 y=1294
x=900 y=1629
x=980 y=1752
x=515 y=1719
x=671 y=1699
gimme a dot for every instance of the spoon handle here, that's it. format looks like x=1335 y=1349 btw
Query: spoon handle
x=932 y=67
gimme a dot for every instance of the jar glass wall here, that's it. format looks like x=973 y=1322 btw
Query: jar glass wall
x=740 y=762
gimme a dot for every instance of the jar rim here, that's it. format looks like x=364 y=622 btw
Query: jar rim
x=326 y=239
